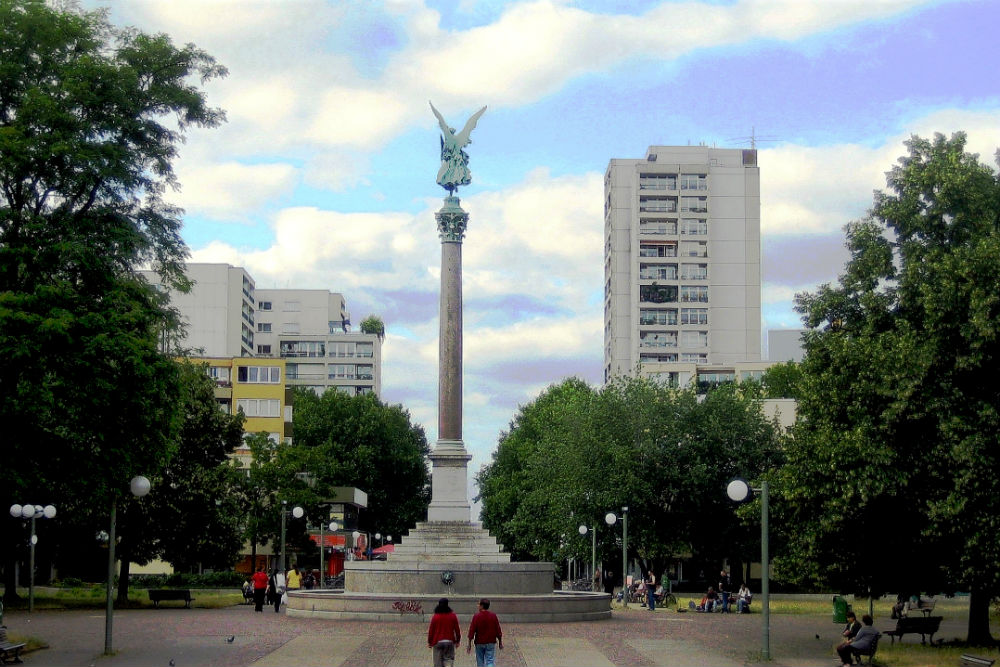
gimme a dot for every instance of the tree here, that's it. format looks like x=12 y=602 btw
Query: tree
x=575 y=453
x=373 y=324
x=90 y=117
x=900 y=404
x=782 y=380
x=357 y=441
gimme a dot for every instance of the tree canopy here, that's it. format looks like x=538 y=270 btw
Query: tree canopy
x=896 y=441
x=90 y=119
x=575 y=453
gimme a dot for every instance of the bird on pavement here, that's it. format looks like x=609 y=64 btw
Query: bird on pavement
x=171 y=663
x=230 y=639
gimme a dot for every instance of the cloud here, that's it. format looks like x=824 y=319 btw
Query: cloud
x=231 y=190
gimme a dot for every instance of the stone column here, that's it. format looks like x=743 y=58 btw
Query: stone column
x=449 y=476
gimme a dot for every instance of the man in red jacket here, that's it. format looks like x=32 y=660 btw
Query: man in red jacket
x=485 y=632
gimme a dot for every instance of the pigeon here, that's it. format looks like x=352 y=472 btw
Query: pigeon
x=171 y=663
x=817 y=636
x=230 y=639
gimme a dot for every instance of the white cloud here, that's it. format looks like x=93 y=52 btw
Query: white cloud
x=231 y=190
x=817 y=190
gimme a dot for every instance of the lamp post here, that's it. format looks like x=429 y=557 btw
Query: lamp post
x=739 y=491
x=322 y=547
x=32 y=512
x=611 y=520
x=378 y=536
x=139 y=486
x=593 y=552
x=297 y=512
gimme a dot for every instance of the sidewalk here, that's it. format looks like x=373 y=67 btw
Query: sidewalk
x=197 y=637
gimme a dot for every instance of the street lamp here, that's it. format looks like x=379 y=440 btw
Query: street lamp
x=378 y=536
x=298 y=513
x=334 y=527
x=593 y=552
x=611 y=520
x=32 y=512
x=139 y=486
x=739 y=491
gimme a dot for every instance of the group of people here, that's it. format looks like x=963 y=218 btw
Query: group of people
x=720 y=599
x=858 y=638
x=444 y=634
x=273 y=589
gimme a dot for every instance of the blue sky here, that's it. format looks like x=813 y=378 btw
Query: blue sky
x=323 y=176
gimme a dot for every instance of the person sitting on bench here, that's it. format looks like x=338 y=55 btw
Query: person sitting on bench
x=860 y=642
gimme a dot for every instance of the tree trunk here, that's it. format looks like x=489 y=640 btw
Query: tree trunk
x=253 y=555
x=979 y=618
x=124 y=559
x=10 y=595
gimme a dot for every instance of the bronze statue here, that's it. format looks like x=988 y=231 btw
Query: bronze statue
x=454 y=169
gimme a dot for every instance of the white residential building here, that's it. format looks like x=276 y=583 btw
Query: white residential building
x=682 y=274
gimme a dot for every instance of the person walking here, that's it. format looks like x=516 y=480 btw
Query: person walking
x=487 y=635
x=443 y=634
x=277 y=585
x=259 y=588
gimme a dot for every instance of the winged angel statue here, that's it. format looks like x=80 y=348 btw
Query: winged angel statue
x=454 y=169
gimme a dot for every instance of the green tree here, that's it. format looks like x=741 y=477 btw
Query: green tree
x=782 y=380
x=897 y=432
x=575 y=453
x=373 y=324
x=90 y=117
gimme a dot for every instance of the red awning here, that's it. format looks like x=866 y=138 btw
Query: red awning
x=385 y=549
x=330 y=540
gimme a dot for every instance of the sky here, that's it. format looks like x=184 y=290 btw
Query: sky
x=324 y=174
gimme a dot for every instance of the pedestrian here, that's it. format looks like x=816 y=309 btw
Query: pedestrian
x=444 y=634
x=259 y=588
x=277 y=587
x=651 y=592
x=725 y=589
x=485 y=632
x=294 y=579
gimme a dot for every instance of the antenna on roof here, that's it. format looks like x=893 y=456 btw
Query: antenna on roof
x=753 y=138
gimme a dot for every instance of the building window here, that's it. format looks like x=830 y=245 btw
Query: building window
x=218 y=373
x=292 y=306
x=694 y=182
x=694 y=315
x=694 y=227
x=365 y=350
x=246 y=335
x=366 y=372
x=259 y=374
x=657 y=204
x=263 y=327
x=290 y=328
x=658 y=272
x=694 y=204
x=658 y=293
x=694 y=339
x=341 y=349
x=658 y=339
x=657 y=250
x=694 y=271
x=364 y=391
x=694 y=357
x=263 y=349
x=259 y=407
x=303 y=348
x=264 y=305
x=658 y=357
x=694 y=249
x=651 y=226
x=660 y=316
x=292 y=371
x=657 y=182
x=341 y=371
x=693 y=293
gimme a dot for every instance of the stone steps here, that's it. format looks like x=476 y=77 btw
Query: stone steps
x=459 y=541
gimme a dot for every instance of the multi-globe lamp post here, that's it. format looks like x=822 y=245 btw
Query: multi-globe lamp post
x=334 y=527
x=297 y=513
x=32 y=512
x=739 y=491
x=611 y=520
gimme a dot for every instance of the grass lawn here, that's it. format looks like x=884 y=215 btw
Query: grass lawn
x=92 y=596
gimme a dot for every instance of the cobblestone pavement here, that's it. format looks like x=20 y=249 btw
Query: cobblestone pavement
x=197 y=637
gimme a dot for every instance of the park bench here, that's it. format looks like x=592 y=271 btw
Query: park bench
x=9 y=650
x=157 y=595
x=974 y=661
x=917 y=625
x=922 y=605
x=870 y=651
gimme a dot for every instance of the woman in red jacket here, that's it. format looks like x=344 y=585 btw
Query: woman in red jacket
x=444 y=634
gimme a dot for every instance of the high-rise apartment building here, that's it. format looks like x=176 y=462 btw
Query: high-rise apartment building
x=227 y=316
x=682 y=263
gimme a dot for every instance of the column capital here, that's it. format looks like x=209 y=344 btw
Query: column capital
x=451 y=221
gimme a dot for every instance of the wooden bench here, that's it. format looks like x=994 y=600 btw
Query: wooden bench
x=917 y=625
x=974 y=661
x=870 y=651
x=9 y=650
x=922 y=605
x=157 y=595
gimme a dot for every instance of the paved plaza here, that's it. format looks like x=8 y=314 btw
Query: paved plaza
x=197 y=637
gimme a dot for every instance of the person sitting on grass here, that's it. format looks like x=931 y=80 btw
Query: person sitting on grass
x=862 y=641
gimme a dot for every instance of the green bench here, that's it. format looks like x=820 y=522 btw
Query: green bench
x=157 y=595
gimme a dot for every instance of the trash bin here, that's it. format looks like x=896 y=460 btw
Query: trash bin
x=840 y=609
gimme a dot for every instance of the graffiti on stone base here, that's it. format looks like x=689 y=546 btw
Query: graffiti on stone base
x=408 y=607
